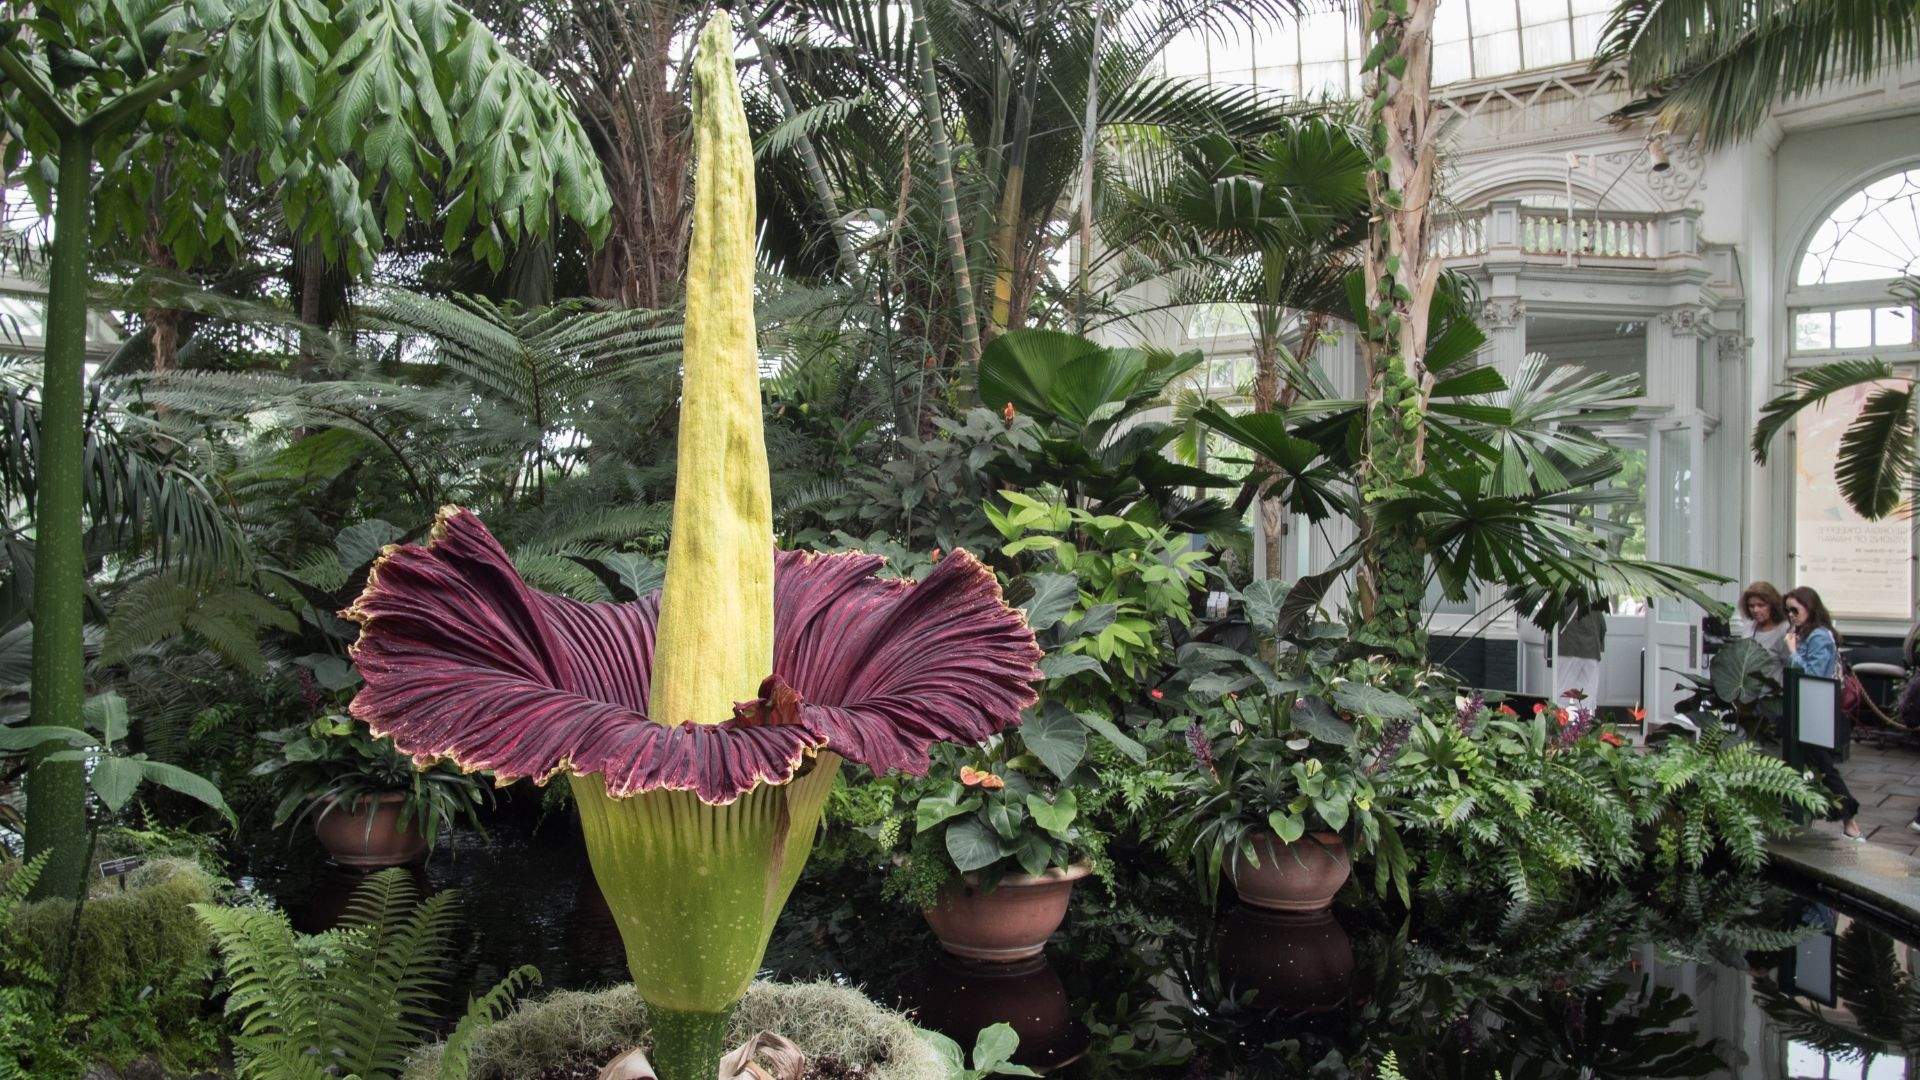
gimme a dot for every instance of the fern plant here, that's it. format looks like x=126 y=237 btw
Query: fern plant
x=1719 y=793
x=32 y=1035
x=224 y=617
x=354 y=1001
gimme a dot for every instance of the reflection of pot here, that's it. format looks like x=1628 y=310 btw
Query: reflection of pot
x=326 y=904
x=369 y=832
x=1302 y=876
x=1295 y=962
x=958 y=997
x=1011 y=921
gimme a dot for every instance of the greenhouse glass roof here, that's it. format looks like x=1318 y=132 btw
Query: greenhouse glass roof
x=1319 y=54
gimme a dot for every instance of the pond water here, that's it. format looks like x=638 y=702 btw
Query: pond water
x=1719 y=976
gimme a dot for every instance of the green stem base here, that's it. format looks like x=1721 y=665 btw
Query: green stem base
x=687 y=1045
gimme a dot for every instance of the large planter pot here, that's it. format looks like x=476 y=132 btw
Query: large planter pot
x=369 y=833
x=1302 y=876
x=1011 y=921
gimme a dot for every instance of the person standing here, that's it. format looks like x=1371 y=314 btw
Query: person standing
x=1766 y=612
x=1576 y=662
x=1816 y=651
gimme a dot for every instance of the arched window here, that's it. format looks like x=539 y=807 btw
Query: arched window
x=1848 y=293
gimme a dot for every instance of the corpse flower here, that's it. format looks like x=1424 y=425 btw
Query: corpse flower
x=700 y=728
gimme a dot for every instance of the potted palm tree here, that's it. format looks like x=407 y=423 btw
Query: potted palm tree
x=370 y=806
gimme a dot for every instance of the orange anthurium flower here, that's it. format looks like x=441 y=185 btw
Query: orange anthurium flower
x=1639 y=714
x=1539 y=707
x=1611 y=739
x=1507 y=710
x=980 y=778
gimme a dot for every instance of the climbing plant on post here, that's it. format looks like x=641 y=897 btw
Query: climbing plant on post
x=360 y=117
x=1400 y=279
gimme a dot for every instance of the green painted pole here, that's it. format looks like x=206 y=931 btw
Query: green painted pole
x=56 y=792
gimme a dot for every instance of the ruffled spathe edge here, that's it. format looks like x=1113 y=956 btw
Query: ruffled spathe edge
x=464 y=662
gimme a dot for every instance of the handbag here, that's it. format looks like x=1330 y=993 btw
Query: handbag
x=1852 y=694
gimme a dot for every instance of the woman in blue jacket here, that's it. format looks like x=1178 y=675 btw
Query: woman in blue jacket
x=1816 y=651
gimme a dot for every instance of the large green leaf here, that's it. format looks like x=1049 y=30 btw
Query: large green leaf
x=1052 y=597
x=115 y=779
x=1056 y=737
x=1365 y=700
x=972 y=845
x=192 y=785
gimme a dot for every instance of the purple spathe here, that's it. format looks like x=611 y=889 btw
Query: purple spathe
x=464 y=661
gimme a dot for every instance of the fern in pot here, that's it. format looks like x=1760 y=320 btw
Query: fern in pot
x=369 y=804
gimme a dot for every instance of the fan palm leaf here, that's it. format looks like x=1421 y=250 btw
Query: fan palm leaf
x=1718 y=67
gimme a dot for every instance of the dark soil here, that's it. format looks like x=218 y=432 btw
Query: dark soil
x=823 y=1069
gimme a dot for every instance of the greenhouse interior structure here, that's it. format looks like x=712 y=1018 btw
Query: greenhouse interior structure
x=1160 y=539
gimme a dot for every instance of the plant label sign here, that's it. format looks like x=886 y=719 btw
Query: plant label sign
x=120 y=868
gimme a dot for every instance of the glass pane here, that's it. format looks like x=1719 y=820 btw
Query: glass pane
x=1853 y=328
x=1452 y=62
x=1606 y=345
x=1676 y=510
x=1874 y=234
x=1893 y=326
x=1496 y=53
x=1545 y=46
x=1812 y=330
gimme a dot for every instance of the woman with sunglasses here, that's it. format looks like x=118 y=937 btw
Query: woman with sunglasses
x=1816 y=651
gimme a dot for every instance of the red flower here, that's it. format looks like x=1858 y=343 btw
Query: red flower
x=1539 y=707
x=1008 y=412
x=1156 y=693
x=935 y=557
x=1507 y=710
x=463 y=661
x=1611 y=739
x=1639 y=714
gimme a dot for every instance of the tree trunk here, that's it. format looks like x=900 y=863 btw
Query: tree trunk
x=809 y=157
x=1083 y=198
x=943 y=174
x=1006 y=227
x=56 y=791
x=1400 y=280
x=1266 y=394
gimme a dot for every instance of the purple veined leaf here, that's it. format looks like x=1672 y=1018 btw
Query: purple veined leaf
x=464 y=661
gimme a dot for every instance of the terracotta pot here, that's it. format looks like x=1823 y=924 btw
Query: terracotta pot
x=1010 y=922
x=369 y=833
x=1302 y=876
x=959 y=997
x=1295 y=962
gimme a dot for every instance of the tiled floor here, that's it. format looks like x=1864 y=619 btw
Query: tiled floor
x=1887 y=783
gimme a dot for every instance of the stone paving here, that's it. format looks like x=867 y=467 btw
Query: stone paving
x=1886 y=780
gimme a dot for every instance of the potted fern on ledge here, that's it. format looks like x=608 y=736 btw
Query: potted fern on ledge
x=369 y=805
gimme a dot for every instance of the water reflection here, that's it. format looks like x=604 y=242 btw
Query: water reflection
x=1290 y=963
x=958 y=997
x=1694 y=977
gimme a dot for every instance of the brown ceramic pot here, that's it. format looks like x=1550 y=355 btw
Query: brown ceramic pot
x=1012 y=921
x=369 y=833
x=1302 y=876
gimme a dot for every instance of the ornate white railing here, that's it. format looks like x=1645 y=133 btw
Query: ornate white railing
x=1608 y=237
